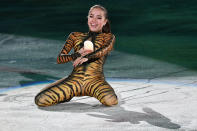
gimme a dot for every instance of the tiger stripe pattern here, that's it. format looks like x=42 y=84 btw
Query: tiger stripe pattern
x=86 y=79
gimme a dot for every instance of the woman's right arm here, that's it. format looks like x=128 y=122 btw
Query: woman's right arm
x=63 y=56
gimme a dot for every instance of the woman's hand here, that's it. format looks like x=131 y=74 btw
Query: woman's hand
x=79 y=61
x=81 y=51
x=84 y=52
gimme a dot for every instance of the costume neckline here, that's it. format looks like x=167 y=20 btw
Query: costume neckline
x=90 y=33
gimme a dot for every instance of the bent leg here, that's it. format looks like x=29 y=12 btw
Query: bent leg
x=58 y=92
x=104 y=93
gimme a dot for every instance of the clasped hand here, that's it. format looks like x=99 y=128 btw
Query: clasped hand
x=81 y=60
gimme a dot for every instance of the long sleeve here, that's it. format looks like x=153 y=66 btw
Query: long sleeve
x=109 y=40
x=64 y=57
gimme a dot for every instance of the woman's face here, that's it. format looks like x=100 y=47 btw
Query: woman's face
x=96 y=20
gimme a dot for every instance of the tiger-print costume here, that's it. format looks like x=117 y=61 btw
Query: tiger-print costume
x=86 y=79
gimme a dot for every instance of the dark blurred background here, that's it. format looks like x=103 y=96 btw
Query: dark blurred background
x=162 y=29
x=154 y=38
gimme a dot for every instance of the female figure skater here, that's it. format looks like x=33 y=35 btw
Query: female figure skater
x=90 y=52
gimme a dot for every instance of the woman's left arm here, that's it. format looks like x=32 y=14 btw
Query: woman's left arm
x=109 y=40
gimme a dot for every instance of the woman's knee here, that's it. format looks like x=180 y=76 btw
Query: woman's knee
x=46 y=98
x=110 y=100
x=40 y=100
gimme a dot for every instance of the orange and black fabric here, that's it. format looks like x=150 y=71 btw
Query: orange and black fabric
x=86 y=79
